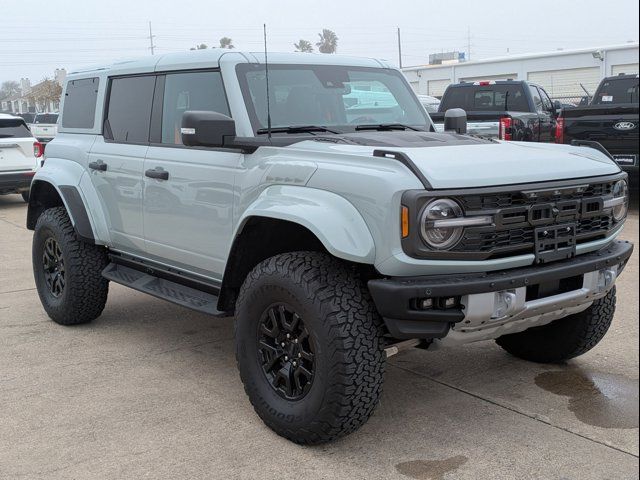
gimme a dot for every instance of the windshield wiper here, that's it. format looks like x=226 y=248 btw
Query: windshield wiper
x=297 y=129
x=387 y=126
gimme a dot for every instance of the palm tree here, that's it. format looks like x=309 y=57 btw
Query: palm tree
x=202 y=46
x=303 y=46
x=328 y=41
x=226 y=42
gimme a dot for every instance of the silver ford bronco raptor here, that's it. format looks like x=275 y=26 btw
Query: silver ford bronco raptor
x=312 y=199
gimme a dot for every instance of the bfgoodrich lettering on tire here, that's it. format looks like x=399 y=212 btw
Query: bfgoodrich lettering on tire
x=309 y=346
x=67 y=271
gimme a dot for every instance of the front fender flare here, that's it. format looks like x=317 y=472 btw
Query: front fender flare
x=330 y=217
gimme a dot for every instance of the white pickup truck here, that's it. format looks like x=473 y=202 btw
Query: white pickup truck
x=19 y=156
x=45 y=126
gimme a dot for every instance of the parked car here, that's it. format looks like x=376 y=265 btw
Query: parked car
x=45 y=127
x=504 y=109
x=19 y=156
x=28 y=118
x=335 y=237
x=611 y=119
x=430 y=103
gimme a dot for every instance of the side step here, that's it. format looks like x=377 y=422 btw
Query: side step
x=164 y=289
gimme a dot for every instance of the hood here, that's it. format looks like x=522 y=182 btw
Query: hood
x=456 y=163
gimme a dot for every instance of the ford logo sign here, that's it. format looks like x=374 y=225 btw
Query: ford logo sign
x=624 y=126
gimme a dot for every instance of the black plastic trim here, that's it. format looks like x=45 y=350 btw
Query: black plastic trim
x=78 y=213
x=167 y=273
x=16 y=180
x=393 y=296
x=407 y=162
x=415 y=200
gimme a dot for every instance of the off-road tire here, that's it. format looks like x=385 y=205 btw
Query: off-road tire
x=566 y=338
x=348 y=333
x=85 y=290
x=25 y=196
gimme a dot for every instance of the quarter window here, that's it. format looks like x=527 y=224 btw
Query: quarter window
x=190 y=91
x=129 y=110
x=80 y=103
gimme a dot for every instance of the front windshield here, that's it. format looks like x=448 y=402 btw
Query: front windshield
x=337 y=97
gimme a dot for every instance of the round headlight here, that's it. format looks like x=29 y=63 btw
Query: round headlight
x=440 y=237
x=620 y=190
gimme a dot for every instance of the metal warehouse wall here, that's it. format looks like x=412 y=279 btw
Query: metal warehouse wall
x=559 y=72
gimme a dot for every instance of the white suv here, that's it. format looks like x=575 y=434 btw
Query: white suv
x=19 y=156
x=45 y=126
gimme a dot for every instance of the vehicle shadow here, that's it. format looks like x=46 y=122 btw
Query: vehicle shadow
x=419 y=384
x=12 y=202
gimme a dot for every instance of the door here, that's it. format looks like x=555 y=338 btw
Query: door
x=117 y=158
x=188 y=192
x=547 y=118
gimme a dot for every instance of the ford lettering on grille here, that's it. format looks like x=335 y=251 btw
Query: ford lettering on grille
x=548 y=213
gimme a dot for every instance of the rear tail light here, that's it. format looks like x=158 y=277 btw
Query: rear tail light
x=560 y=130
x=504 y=132
x=38 y=149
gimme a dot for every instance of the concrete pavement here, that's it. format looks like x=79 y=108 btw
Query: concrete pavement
x=150 y=390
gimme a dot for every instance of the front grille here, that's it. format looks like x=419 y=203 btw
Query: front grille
x=514 y=233
x=496 y=201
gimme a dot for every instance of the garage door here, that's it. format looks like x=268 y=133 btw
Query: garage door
x=626 y=68
x=436 y=88
x=506 y=76
x=566 y=83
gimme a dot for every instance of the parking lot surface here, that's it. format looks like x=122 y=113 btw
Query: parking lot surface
x=150 y=390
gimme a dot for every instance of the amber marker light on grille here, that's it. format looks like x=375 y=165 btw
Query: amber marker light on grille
x=404 y=222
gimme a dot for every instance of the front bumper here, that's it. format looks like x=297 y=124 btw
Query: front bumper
x=481 y=302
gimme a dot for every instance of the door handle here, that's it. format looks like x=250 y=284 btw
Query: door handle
x=157 y=173
x=98 y=165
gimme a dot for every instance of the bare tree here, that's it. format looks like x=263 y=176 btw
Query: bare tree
x=328 y=41
x=44 y=93
x=9 y=88
x=226 y=42
x=202 y=46
x=303 y=46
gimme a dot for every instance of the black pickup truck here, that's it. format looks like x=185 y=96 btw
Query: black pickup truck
x=505 y=109
x=610 y=119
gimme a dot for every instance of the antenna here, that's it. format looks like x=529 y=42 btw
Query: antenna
x=266 y=74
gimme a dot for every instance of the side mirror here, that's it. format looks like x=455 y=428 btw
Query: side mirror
x=206 y=129
x=455 y=120
x=557 y=106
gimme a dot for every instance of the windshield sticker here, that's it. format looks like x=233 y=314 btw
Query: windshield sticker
x=607 y=98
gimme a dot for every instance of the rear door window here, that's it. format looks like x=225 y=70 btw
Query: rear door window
x=80 y=98
x=487 y=98
x=190 y=91
x=537 y=99
x=14 y=128
x=129 y=109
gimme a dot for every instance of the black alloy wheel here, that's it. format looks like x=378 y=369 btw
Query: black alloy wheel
x=53 y=263
x=286 y=351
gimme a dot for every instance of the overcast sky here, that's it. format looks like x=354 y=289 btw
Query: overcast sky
x=38 y=36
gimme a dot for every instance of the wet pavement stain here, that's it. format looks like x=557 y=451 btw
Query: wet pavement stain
x=597 y=399
x=431 y=469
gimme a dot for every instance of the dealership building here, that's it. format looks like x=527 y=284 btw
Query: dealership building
x=560 y=72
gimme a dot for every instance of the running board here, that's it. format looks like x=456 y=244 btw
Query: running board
x=164 y=289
